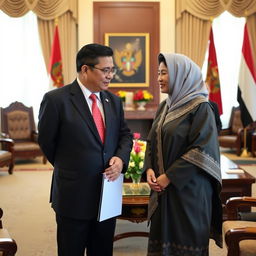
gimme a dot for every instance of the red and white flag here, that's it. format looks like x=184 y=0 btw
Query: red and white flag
x=212 y=78
x=247 y=83
x=55 y=65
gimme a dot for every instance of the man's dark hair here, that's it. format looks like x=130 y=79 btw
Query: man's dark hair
x=89 y=54
x=161 y=58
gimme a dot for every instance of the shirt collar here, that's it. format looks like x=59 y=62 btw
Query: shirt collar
x=87 y=93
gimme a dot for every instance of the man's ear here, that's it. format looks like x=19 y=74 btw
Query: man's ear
x=84 y=69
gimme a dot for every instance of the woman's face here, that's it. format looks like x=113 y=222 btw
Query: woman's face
x=163 y=78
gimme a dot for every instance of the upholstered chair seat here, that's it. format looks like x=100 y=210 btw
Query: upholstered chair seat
x=228 y=140
x=29 y=146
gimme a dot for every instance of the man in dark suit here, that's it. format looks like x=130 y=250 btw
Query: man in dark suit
x=81 y=153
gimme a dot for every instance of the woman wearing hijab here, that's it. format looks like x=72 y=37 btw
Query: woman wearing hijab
x=182 y=164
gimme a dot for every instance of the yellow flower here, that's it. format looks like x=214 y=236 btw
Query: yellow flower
x=147 y=95
x=132 y=164
x=121 y=94
x=143 y=145
x=142 y=154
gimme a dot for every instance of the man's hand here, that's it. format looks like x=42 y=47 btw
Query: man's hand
x=152 y=181
x=114 y=169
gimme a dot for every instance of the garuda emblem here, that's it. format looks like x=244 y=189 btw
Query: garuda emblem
x=128 y=60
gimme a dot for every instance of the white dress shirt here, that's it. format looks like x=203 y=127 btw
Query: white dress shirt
x=87 y=93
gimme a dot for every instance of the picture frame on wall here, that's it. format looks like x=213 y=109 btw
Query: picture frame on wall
x=131 y=57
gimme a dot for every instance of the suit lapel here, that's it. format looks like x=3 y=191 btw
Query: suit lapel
x=77 y=98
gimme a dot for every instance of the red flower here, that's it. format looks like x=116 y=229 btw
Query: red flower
x=137 y=148
x=136 y=136
x=138 y=95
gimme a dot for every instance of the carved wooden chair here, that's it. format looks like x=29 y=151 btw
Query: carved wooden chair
x=18 y=123
x=6 y=154
x=240 y=235
x=232 y=137
x=8 y=246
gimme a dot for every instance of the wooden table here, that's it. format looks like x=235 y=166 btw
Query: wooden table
x=233 y=184
x=135 y=209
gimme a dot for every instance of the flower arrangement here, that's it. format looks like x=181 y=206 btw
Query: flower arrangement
x=122 y=95
x=142 y=95
x=137 y=156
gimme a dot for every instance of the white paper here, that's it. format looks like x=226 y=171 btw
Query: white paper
x=227 y=164
x=234 y=171
x=111 y=198
x=6 y=240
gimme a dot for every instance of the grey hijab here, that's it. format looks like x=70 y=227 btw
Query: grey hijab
x=185 y=80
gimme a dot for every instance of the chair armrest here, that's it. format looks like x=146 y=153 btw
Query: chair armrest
x=35 y=136
x=239 y=234
x=234 y=236
x=4 y=135
x=233 y=203
x=1 y=215
x=240 y=131
x=226 y=131
x=7 y=144
x=7 y=244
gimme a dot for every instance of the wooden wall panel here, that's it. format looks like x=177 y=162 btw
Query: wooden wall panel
x=131 y=17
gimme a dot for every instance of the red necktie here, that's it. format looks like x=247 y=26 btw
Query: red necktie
x=97 y=117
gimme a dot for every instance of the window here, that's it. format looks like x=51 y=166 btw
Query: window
x=228 y=38
x=23 y=74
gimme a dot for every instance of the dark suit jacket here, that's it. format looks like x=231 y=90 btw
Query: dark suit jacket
x=217 y=115
x=69 y=139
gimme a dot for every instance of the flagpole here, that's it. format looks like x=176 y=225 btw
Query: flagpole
x=245 y=152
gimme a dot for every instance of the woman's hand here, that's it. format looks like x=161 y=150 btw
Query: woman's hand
x=163 y=181
x=152 y=181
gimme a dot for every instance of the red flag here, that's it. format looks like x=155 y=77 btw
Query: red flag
x=212 y=78
x=55 y=65
x=247 y=83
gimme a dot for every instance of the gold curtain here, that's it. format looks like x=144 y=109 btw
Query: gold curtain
x=193 y=22
x=68 y=42
x=47 y=11
x=192 y=34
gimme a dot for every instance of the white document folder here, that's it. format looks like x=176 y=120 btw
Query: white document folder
x=111 y=198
